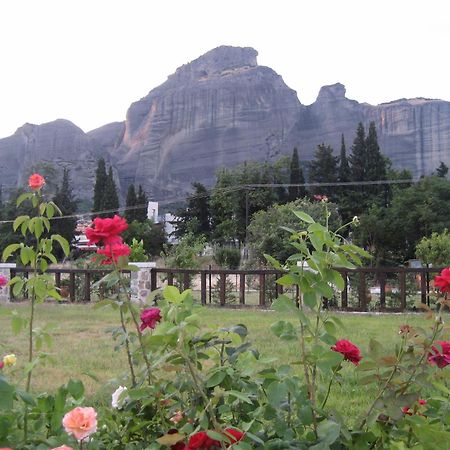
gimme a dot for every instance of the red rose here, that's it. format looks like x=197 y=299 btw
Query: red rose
x=114 y=251
x=2 y=364
x=440 y=358
x=150 y=317
x=106 y=230
x=36 y=181
x=442 y=281
x=201 y=441
x=3 y=281
x=350 y=351
x=421 y=402
x=236 y=435
x=406 y=410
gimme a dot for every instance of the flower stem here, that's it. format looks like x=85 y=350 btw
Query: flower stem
x=335 y=371
x=127 y=347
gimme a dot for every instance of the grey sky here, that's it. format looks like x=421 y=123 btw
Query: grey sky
x=87 y=60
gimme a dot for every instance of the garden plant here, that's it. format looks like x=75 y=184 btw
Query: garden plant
x=189 y=387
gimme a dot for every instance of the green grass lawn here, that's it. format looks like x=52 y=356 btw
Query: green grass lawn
x=82 y=345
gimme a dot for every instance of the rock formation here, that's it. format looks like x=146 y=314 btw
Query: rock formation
x=220 y=110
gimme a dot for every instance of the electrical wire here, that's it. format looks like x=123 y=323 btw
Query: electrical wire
x=229 y=189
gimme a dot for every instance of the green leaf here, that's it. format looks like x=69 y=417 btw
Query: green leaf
x=23 y=197
x=172 y=294
x=50 y=210
x=239 y=395
x=328 y=431
x=6 y=395
x=310 y=299
x=273 y=262
x=216 y=378
x=62 y=242
x=303 y=216
x=10 y=250
x=75 y=388
x=19 y=221
x=284 y=330
x=276 y=393
x=284 y=304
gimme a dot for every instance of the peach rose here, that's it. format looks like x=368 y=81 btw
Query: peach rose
x=80 y=422
x=36 y=181
x=63 y=447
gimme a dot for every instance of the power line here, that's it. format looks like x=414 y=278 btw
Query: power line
x=231 y=189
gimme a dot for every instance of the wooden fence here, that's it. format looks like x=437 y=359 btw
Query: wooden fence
x=384 y=289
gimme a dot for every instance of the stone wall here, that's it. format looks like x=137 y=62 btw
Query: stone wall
x=5 y=270
x=140 y=281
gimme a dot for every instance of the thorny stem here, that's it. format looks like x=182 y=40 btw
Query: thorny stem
x=127 y=347
x=335 y=371
x=136 y=323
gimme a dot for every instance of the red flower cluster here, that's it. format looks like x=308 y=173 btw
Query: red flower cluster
x=150 y=317
x=201 y=441
x=350 y=351
x=440 y=358
x=106 y=232
x=36 y=181
x=442 y=281
x=408 y=411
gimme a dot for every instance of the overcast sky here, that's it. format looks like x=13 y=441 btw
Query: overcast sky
x=87 y=60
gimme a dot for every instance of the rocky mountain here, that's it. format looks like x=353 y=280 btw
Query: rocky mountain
x=220 y=110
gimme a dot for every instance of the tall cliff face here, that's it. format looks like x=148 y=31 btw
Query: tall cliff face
x=414 y=134
x=220 y=110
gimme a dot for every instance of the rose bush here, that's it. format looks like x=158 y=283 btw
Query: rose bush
x=189 y=387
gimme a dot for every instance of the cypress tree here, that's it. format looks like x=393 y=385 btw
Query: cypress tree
x=375 y=168
x=110 y=201
x=358 y=156
x=142 y=201
x=344 y=168
x=296 y=177
x=67 y=203
x=131 y=202
x=442 y=170
x=323 y=169
x=100 y=185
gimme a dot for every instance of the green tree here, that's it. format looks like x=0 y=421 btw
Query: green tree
x=442 y=170
x=391 y=234
x=142 y=201
x=130 y=204
x=344 y=192
x=150 y=233
x=110 y=201
x=195 y=218
x=375 y=168
x=267 y=236
x=435 y=249
x=100 y=186
x=67 y=203
x=323 y=169
x=296 y=177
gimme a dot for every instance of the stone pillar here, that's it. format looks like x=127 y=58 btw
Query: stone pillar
x=5 y=270
x=140 y=281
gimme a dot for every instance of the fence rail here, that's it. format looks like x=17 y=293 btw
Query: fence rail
x=367 y=288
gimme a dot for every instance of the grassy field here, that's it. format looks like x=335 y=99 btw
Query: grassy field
x=82 y=345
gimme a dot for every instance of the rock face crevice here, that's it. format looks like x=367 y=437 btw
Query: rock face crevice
x=217 y=111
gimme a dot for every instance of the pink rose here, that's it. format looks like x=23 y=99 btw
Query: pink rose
x=36 y=181
x=3 y=281
x=80 y=422
x=63 y=447
x=150 y=317
x=350 y=351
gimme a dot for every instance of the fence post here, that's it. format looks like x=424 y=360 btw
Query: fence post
x=362 y=291
x=186 y=281
x=170 y=278
x=382 y=279
x=203 y=287
x=262 y=289
x=402 y=276
x=153 y=280
x=72 y=287
x=242 y=288
x=423 y=287
x=141 y=281
x=223 y=278
x=87 y=287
